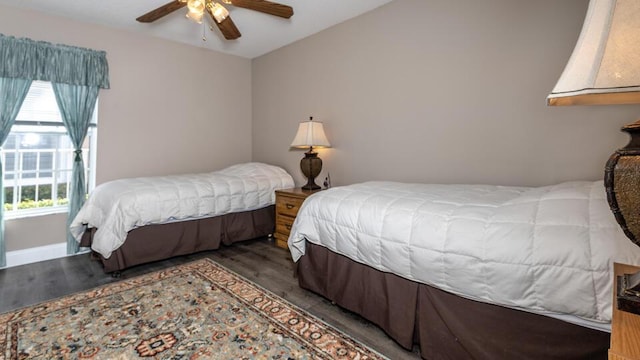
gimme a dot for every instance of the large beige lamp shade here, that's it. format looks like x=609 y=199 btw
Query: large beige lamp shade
x=310 y=134
x=605 y=65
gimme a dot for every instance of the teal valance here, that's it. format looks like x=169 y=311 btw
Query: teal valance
x=39 y=60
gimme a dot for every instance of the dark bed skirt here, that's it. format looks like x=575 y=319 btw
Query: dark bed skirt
x=445 y=326
x=162 y=241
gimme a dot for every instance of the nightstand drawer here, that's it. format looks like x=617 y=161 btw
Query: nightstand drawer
x=288 y=202
x=284 y=224
x=289 y=206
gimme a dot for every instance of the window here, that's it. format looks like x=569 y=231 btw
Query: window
x=38 y=157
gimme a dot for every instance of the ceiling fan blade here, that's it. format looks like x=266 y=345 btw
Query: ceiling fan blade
x=163 y=10
x=266 y=7
x=227 y=27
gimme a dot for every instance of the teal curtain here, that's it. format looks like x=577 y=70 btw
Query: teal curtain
x=38 y=60
x=12 y=94
x=77 y=74
x=76 y=105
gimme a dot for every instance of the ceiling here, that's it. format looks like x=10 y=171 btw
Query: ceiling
x=261 y=33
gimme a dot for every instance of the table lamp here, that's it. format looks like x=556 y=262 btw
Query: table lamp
x=604 y=68
x=310 y=134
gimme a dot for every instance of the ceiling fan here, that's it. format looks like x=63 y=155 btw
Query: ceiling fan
x=217 y=12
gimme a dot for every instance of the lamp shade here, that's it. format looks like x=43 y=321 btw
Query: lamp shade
x=310 y=133
x=604 y=67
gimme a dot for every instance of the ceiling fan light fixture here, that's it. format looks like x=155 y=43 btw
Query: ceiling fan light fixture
x=195 y=16
x=195 y=10
x=196 y=6
x=218 y=11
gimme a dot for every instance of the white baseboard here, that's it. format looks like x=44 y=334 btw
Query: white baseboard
x=31 y=255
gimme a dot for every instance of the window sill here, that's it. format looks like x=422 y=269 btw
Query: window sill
x=28 y=213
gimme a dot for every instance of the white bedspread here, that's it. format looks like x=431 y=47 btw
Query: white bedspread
x=547 y=250
x=119 y=206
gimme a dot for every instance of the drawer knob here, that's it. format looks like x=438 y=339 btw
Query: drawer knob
x=290 y=206
x=288 y=227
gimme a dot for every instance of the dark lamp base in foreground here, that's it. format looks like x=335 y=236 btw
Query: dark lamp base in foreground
x=622 y=184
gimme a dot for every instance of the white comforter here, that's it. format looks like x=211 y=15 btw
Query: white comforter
x=547 y=250
x=119 y=206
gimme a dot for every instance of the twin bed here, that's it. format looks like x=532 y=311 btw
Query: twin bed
x=463 y=271
x=134 y=221
x=482 y=272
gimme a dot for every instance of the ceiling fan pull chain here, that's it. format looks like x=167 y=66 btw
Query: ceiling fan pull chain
x=204 y=33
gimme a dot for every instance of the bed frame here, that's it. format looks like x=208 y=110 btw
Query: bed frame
x=163 y=241
x=445 y=326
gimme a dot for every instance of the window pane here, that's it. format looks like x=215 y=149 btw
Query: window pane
x=9 y=164
x=28 y=165
x=44 y=192
x=8 y=196
x=28 y=193
x=62 y=191
x=10 y=143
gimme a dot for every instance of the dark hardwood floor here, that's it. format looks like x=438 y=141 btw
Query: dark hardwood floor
x=257 y=260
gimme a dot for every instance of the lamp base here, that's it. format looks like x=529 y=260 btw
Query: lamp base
x=311 y=165
x=312 y=186
x=622 y=184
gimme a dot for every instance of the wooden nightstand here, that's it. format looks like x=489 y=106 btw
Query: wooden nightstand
x=288 y=202
x=625 y=327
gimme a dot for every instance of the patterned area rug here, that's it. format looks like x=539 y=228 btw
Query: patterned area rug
x=194 y=311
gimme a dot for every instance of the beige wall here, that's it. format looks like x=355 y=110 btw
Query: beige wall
x=437 y=91
x=171 y=108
